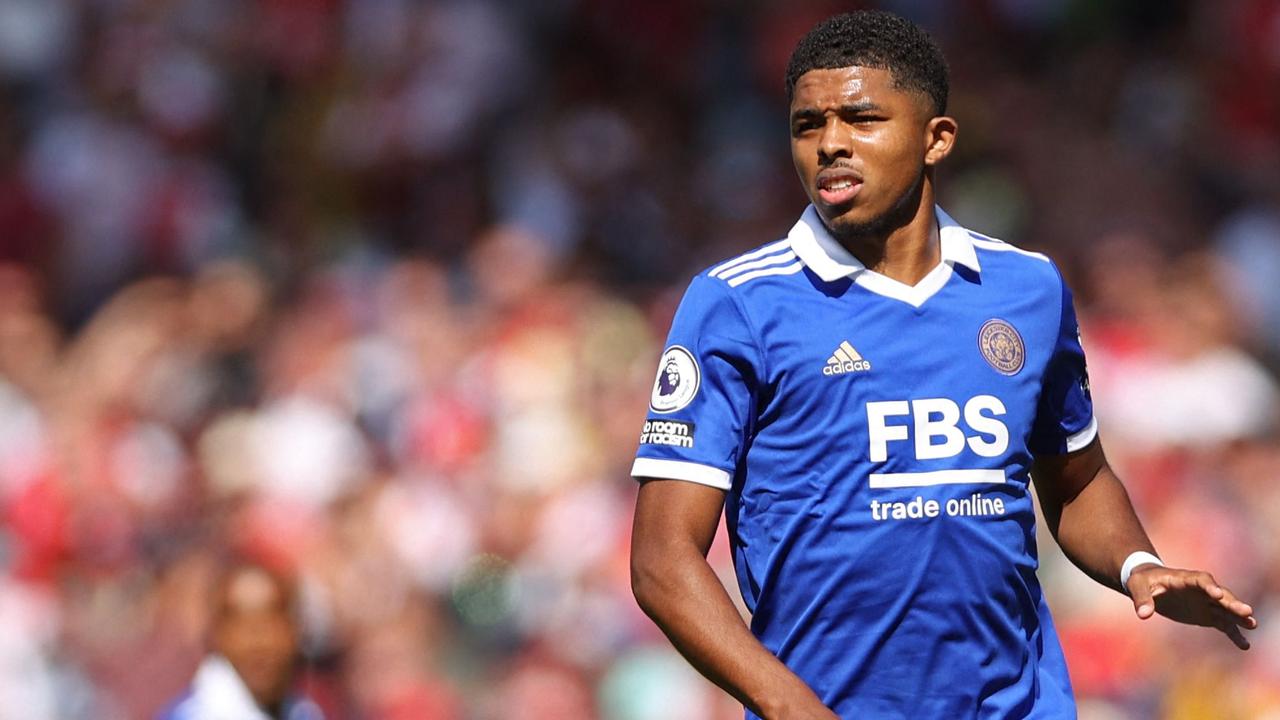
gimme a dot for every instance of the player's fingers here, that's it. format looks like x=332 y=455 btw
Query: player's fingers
x=1221 y=616
x=1248 y=622
x=1181 y=579
x=1143 y=595
x=1234 y=605
x=1236 y=636
x=1206 y=582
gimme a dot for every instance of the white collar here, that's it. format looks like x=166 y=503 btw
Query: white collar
x=829 y=260
x=218 y=693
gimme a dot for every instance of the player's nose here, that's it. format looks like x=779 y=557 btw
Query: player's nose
x=833 y=143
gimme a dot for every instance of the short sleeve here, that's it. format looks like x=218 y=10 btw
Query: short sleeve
x=1064 y=417
x=703 y=399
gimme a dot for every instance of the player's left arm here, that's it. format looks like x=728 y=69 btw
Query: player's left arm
x=1089 y=513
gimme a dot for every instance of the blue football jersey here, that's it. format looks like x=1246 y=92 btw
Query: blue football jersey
x=875 y=440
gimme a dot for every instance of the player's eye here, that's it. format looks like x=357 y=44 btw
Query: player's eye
x=800 y=127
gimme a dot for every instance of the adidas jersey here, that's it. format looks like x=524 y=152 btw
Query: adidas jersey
x=874 y=440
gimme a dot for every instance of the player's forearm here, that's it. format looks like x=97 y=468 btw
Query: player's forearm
x=683 y=596
x=1098 y=529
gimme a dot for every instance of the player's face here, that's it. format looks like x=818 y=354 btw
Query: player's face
x=255 y=632
x=860 y=146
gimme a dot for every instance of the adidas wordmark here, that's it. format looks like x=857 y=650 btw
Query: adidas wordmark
x=845 y=360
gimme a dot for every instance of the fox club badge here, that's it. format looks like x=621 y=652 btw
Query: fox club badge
x=1002 y=347
x=677 y=382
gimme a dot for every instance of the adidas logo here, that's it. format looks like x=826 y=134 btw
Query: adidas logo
x=845 y=360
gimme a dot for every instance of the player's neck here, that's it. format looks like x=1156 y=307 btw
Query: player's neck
x=908 y=250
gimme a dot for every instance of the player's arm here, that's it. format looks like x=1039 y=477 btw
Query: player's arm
x=675 y=522
x=1089 y=513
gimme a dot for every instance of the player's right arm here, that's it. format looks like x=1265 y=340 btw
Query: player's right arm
x=675 y=522
x=691 y=450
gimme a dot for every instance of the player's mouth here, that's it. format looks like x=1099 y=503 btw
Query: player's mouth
x=838 y=186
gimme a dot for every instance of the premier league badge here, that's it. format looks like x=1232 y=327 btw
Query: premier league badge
x=677 y=381
x=1002 y=347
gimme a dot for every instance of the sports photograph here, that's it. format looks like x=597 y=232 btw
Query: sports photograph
x=639 y=360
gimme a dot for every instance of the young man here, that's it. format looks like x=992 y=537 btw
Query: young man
x=255 y=655
x=868 y=400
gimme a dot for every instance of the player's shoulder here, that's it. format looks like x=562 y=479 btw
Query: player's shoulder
x=1011 y=263
x=993 y=247
x=776 y=259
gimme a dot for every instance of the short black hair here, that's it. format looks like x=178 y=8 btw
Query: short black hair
x=875 y=39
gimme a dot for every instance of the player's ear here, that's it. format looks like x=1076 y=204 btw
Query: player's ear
x=940 y=137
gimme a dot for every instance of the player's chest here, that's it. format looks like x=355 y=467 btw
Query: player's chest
x=863 y=366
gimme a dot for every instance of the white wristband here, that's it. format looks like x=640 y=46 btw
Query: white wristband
x=1140 y=557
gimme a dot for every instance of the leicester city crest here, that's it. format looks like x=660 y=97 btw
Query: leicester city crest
x=1002 y=346
x=677 y=381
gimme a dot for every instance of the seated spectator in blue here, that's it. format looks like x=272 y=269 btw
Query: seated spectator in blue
x=254 y=654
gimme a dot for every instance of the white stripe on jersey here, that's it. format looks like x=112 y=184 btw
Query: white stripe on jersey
x=881 y=481
x=645 y=467
x=1081 y=440
x=1002 y=246
x=778 y=259
x=770 y=248
x=791 y=269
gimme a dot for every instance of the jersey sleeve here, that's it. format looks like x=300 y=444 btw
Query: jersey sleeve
x=1064 y=418
x=701 y=409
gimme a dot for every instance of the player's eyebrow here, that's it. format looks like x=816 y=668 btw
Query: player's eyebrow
x=806 y=114
x=856 y=108
x=863 y=106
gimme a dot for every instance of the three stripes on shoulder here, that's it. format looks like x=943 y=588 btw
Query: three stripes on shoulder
x=773 y=259
x=989 y=243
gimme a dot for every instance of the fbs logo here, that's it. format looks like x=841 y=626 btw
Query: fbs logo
x=845 y=360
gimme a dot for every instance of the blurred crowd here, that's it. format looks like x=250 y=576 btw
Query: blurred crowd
x=372 y=292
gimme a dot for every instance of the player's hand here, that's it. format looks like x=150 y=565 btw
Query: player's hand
x=1192 y=597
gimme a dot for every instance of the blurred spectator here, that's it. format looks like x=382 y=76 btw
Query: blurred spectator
x=254 y=653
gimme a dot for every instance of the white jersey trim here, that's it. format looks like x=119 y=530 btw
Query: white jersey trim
x=755 y=264
x=1081 y=440
x=827 y=258
x=767 y=249
x=791 y=269
x=1001 y=246
x=913 y=295
x=681 y=470
x=881 y=481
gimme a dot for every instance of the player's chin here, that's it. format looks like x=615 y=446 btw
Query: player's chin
x=844 y=219
x=838 y=213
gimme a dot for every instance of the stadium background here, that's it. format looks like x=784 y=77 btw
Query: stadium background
x=374 y=290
